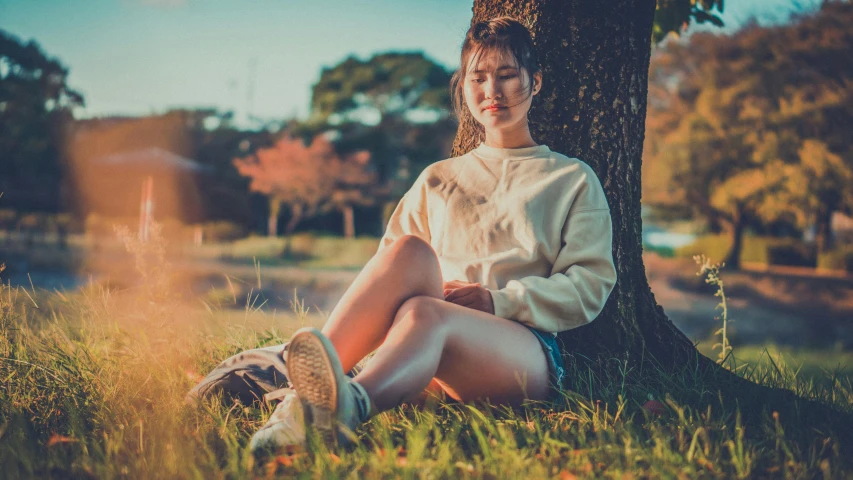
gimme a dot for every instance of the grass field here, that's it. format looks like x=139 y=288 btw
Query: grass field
x=92 y=386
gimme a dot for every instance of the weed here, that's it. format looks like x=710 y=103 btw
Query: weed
x=712 y=274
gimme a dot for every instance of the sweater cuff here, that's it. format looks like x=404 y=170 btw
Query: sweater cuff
x=506 y=305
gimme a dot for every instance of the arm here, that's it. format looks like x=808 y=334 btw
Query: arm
x=410 y=215
x=582 y=277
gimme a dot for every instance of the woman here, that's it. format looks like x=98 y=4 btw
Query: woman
x=485 y=258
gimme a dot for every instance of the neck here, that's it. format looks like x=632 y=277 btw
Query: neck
x=518 y=137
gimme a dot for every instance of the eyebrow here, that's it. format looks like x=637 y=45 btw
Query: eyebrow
x=503 y=67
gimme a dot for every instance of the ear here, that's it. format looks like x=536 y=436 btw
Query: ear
x=537 y=82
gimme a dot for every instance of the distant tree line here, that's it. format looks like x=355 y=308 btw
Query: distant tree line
x=744 y=131
x=374 y=124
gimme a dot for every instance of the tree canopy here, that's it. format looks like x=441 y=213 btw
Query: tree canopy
x=307 y=178
x=35 y=108
x=387 y=84
x=749 y=128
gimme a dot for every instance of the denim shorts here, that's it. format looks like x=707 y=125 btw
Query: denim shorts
x=556 y=368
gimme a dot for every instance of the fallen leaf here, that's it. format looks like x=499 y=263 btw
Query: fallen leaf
x=655 y=407
x=57 y=438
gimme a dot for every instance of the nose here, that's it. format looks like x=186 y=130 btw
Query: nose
x=491 y=89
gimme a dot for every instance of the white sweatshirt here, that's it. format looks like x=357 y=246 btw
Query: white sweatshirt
x=530 y=225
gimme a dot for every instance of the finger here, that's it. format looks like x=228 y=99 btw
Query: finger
x=466 y=289
x=456 y=295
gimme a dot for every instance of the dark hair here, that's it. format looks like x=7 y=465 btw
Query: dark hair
x=498 y=34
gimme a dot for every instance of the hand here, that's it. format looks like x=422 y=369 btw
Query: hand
x=470 y=295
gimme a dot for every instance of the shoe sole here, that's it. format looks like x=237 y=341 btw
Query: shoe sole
x=315 y=375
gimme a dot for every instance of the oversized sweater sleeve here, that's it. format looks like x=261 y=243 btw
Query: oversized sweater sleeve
x=410 y=216
x=581 y=279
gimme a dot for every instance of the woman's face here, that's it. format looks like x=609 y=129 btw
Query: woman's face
x=496 y=91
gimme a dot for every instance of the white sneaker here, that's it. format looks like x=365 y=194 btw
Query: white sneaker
x=333 y=403
x=285 y=427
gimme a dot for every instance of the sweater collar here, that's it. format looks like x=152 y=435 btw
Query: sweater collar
x=494 y=153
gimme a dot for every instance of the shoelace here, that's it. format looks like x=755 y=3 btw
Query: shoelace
x=278 y=395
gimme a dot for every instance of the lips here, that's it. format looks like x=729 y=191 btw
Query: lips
x=494 y=108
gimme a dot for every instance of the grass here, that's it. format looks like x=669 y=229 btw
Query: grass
x=304 y=249
x=92 y=385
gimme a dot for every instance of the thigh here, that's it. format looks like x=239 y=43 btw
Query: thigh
x=486 y=356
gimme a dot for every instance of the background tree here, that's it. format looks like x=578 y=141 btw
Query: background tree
x=729 y=117
x=376 y=103
x=36 y=106
x=354 y=181
x=812 y=60
x=711 y=157
x=388 y=84
x=292 y=173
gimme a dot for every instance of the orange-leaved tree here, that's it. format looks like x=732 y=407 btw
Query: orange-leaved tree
x=308 y=178
x=292 y=173
x=353 y=180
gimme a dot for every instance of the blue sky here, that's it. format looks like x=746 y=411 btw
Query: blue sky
x=146 y=56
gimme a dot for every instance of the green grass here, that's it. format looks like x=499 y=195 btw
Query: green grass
x=92 y=385
x=304 y=249
x=757 y=250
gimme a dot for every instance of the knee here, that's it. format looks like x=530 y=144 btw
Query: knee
x=422 y=310
x=413 y=248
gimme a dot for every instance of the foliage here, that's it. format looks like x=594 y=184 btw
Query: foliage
x=305 y=177
x=839 y=258
x=756 y=249
x=36 y=106
x=674 y=16
x=739 y=129
x=387 y=84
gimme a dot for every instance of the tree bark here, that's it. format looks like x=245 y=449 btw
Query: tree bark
x=349 y=221
x=272 y=220
x=592 y=106
x=732 y=259
x=296 y=213
x=823 y=229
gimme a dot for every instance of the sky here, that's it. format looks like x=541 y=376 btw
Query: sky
x=259 y=57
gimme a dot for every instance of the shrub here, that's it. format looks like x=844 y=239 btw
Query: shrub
x=755 y=249
x=716 y=247
x=792 y=253
x=840 y=258
x=222 y=231
x=258 y=247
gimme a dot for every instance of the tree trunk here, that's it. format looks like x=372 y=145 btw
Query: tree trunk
x=732 y=259
x=595 y=61
x=823 y=229
x=272 y=220
x=296 y=213
x=349 y=221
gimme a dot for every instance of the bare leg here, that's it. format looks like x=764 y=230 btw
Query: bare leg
x=360 y=321
x=472 y=355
